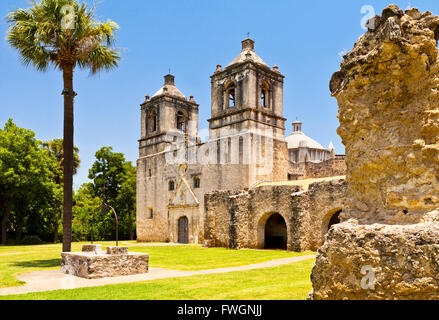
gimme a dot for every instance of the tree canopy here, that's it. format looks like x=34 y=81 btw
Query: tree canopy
x=27 y=177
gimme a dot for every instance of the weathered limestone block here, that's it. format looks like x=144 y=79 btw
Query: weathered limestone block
x=368 y=262
x=92 y=265
x=117 y=250
x=96 y=248
x=388 y=96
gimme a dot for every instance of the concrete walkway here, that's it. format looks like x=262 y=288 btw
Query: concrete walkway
x=55 y=280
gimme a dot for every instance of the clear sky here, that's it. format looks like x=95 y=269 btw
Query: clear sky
x=305 y=39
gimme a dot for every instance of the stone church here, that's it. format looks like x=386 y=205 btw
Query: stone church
x=246 y=146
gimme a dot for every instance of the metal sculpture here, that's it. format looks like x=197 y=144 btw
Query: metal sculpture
x=103 y=208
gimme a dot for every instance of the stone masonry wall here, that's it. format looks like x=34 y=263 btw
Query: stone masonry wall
x=237 y=219
x=387 y=91
x=376 y=262
x=308 y=170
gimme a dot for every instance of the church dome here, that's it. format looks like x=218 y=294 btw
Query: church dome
x=248 y=54
x=299 y=140
x=169 y=88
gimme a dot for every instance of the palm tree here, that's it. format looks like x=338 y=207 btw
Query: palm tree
x=64 y=34
x=56 y=147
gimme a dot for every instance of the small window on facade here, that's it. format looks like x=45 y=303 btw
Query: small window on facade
x=181 y=121
x=264 y=94
x=263 y=98
x=197 y=182
x=153 y=121
x=150 y=173
x=150 y=213
x=171 y=185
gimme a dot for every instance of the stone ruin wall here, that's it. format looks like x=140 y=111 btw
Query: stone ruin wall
x=387 y=91
x=309 y=170
x=388 y=96
x=237 y=219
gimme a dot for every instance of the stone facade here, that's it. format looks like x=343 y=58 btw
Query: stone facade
x=387 y=92
x=241 y=219
x=246 y=145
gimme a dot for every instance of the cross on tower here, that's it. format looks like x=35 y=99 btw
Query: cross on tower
x=248 y=35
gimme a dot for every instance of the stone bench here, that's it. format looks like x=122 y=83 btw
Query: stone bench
x=93 y=263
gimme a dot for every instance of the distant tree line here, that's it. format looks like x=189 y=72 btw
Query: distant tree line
x=31 y=191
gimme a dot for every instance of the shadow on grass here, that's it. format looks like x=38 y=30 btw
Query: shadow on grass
x=38 y=263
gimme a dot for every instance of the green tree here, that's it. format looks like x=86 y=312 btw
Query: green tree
x=56 y=147
x=114 y=181
x=27 y=174
x=65 y=34
x=126 y=199
x=108 y=174
x=86 y=205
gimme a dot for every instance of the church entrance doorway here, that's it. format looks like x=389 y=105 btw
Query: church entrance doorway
x=183 y=230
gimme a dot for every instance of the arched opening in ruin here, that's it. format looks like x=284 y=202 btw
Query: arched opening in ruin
x=335 y=218
x=275 y=235
x=183 y=230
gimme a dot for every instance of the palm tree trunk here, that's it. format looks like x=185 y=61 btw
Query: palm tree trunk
x=69 y=96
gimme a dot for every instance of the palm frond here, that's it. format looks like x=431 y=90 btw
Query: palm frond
x=38 y=34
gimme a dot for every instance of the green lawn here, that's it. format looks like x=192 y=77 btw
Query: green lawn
x=288 y=282
x=16 y=260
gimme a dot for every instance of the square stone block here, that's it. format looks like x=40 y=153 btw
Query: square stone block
x=117 y=250
x=96 y=248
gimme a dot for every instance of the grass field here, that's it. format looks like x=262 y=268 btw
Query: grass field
x=288 y=282
x=16 y=260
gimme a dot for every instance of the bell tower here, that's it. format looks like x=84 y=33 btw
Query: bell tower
x=247 y=95
x=167 y=111
x=247 y=102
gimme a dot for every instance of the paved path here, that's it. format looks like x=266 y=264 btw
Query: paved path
x=54 y=280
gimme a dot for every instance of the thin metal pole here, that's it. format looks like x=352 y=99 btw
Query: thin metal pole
x=117 y=224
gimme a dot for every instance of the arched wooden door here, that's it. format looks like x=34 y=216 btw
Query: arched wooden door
x=183 y=230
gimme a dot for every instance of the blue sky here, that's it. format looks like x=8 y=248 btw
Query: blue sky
x=305 y=39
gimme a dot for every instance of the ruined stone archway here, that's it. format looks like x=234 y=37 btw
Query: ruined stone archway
x=335 y=218
x=331 y=217
x=275 y=232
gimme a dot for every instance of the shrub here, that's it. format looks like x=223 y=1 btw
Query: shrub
x=31 y=239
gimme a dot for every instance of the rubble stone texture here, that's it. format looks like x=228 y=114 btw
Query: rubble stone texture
x=388 y=96
x=387 y=91
x=238 y=219
x=403 y=259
